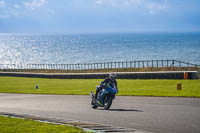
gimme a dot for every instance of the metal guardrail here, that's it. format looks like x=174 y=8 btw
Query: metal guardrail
x=105 y=65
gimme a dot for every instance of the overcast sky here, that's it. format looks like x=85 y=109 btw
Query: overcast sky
x=83 y=16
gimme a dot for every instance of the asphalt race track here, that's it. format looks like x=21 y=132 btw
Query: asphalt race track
x=151 y=114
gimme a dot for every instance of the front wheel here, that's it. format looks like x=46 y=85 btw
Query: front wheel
x=94 y=106
x=107 y=102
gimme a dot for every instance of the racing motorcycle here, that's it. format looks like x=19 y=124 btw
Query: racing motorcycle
x=104 y=97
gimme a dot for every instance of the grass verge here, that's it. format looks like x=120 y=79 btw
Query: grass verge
x=190 y=88
x=16 y=125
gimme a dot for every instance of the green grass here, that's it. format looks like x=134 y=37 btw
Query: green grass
x=190 y=88
x=16 y=125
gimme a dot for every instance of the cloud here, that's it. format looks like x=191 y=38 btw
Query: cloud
x=155 y=7
x=119 y=3
x=3 y=16
x=38 y=4
x=99 y=2
x=151 y=6
x=16 y=6
x=35 y=4
x=15 y=9
x=2 y=3
x=51 y=11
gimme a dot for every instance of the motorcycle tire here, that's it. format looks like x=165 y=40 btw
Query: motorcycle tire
x=107 y=102
x=93 y=105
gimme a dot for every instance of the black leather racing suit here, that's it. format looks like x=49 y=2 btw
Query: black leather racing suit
x=103 y=84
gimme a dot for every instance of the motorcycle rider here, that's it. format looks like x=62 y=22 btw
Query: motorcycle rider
x=110 y=80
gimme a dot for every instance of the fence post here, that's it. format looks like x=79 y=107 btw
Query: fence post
x=143 y=63
x=84 y=66
x=61 y=66
x=138 y=64
x=100 y=66
x=157 y=63
x=167 y=64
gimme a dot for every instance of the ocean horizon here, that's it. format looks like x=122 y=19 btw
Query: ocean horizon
x=23 y=48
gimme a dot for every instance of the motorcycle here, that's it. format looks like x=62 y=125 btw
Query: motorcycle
x=104 y=97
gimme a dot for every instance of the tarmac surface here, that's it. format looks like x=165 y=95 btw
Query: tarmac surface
x=151 y=114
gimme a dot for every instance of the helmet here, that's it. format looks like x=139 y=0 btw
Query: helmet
x=112 y=76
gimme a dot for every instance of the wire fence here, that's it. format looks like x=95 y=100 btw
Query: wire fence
x=105 y=65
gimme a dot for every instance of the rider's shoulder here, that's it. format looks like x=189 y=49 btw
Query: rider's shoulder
x=106 y=78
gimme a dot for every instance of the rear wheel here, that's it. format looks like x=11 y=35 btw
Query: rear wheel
x=107 y=102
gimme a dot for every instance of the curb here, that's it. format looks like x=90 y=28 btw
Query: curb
x=87 y=126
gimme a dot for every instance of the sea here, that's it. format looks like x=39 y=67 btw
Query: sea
x=18 y=48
